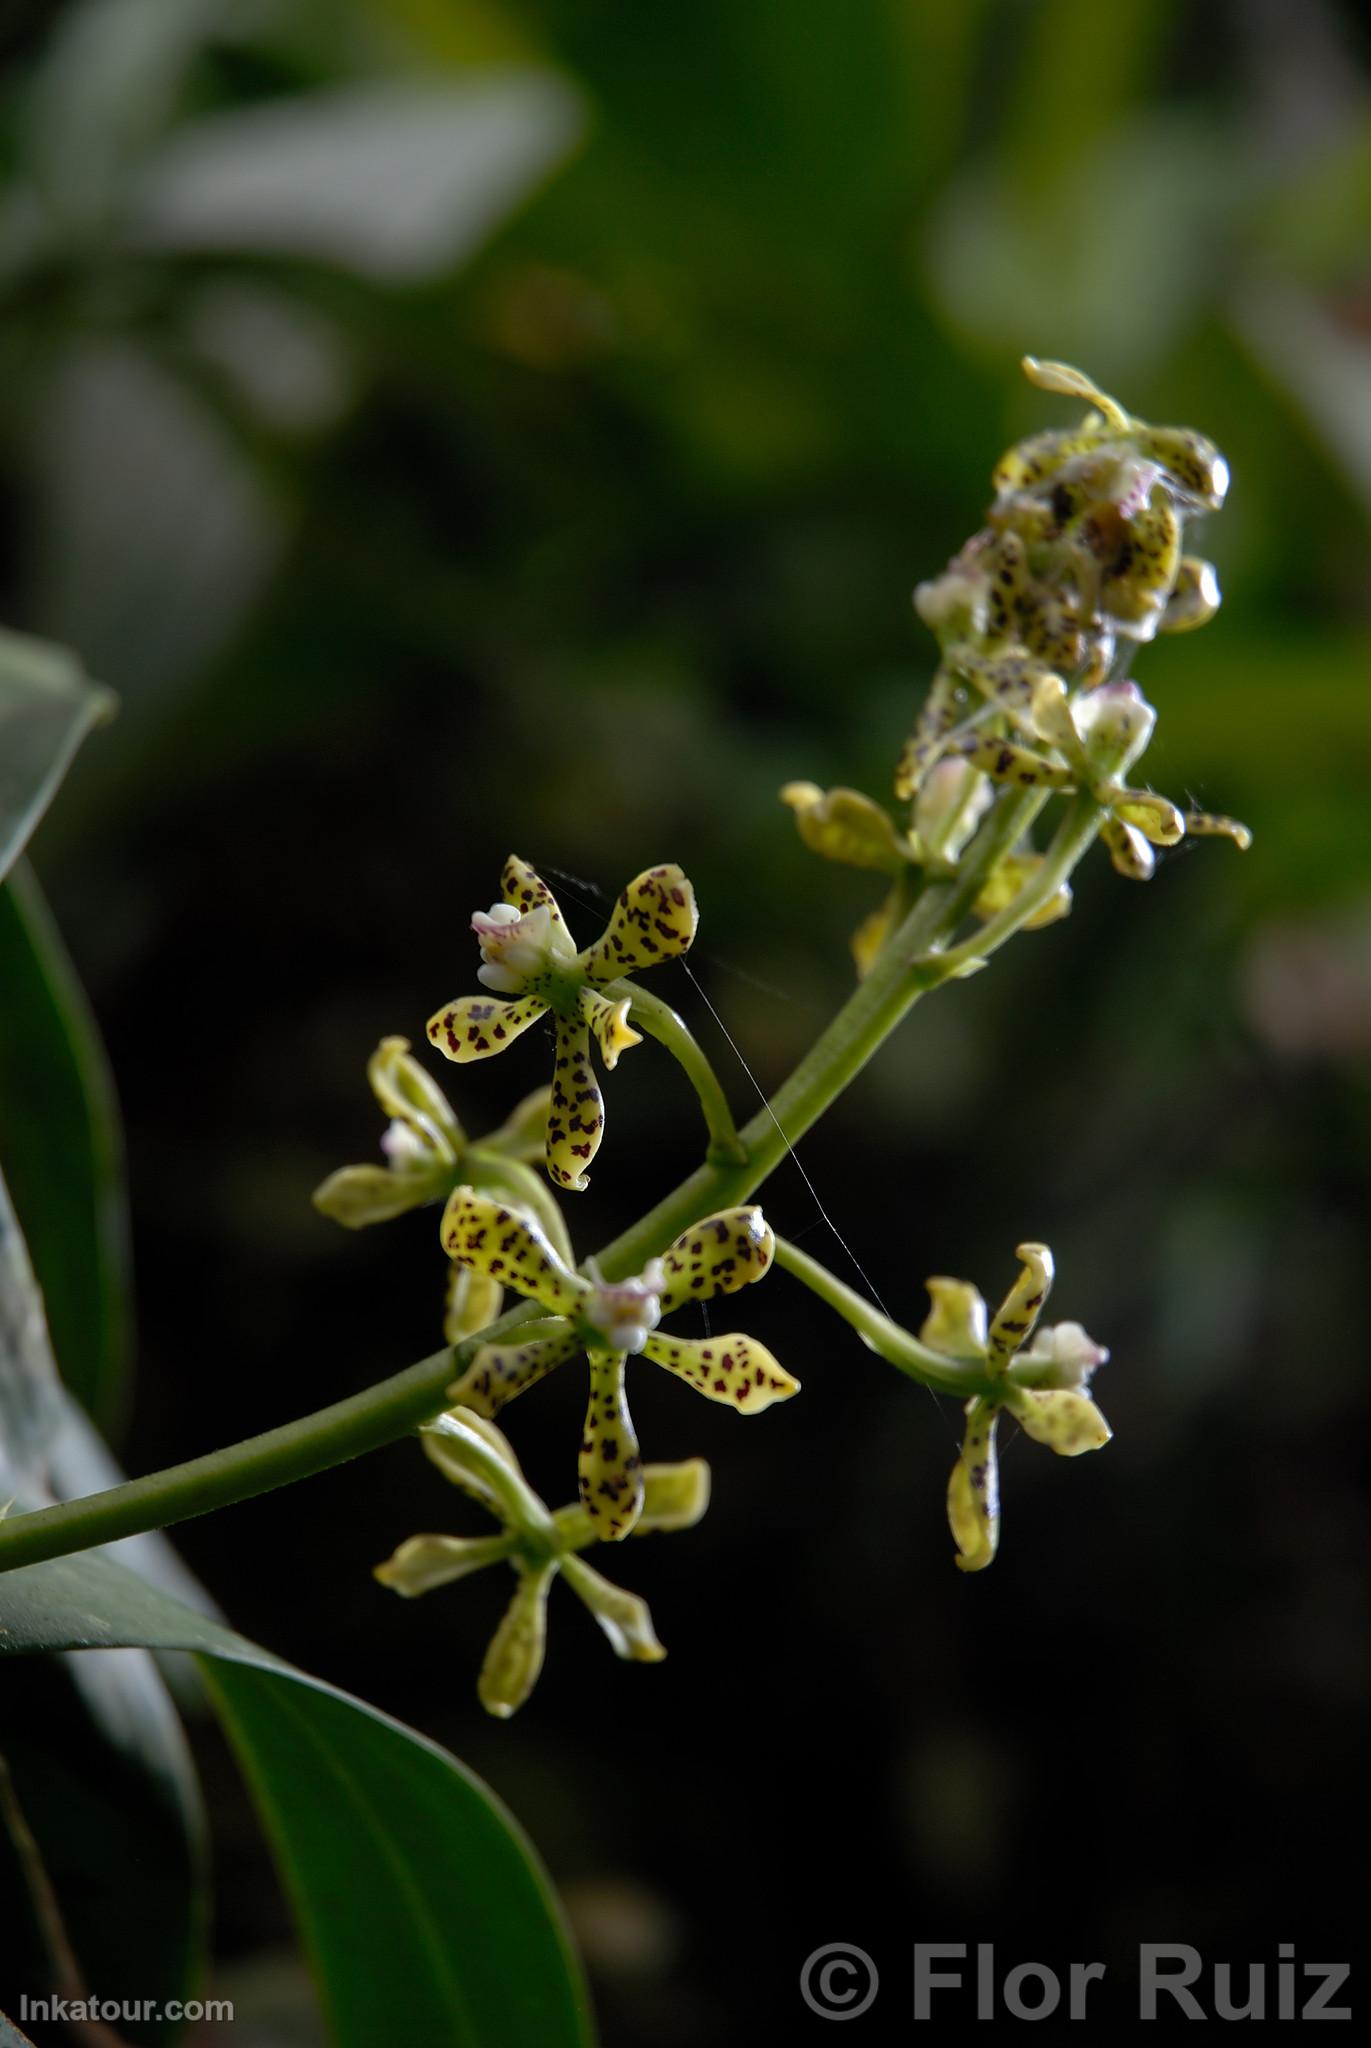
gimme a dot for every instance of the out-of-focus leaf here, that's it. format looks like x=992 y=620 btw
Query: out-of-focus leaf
x=396 y=181
x=158 y=531
x=30 y=1392
x=62 y=1150
x=1325 y=368
x=425 y=1912
x=47 y=706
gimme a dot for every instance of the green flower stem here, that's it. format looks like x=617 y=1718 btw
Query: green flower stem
x=1073 y=838
x=493 y=1171
x=887 y=1339
x=907 y=967
x=663 y=1023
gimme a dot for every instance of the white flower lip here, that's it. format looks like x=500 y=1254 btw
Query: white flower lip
x=626 y=1312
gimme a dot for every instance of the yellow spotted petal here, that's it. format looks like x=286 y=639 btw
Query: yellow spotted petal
x=654 y=919
x=500 y=1371
x=522 y=886
x=475 y=1027
x=576 y=1120
x=1004 y=883
x=1129 y=851
x=609 y=1468
x=843 y=825
x=1003 y=761
x=718 y=1255
x=1195 y=597
x=973 y=1493
x=523 y=1134
x=736 y=1370
x=1067 y=1422
x=1156 y=817
x=1138 y=593
x=625 y=1619
x=357 y=1195
x=428 y=1561
x=473 y=1301
x=1191 y=461
x=609 y=1022
x=956 y=1323
x=1017 y=1316
x=406 y=1094
x=1210 y=825
x=941 y=711
x=514 y=1660
x=510 y=1248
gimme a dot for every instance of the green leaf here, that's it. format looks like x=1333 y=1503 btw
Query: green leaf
x=62 y=1150
x=424 y=1909
x=10 y=2036
x=47 y=706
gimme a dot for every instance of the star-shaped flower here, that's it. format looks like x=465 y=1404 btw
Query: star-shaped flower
x=528 y=954
x=471 y=1452
x=427 y=1152
x=1039 y=1380
x=608 y=1321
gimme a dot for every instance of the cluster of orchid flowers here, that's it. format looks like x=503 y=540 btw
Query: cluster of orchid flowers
x=1082 y=550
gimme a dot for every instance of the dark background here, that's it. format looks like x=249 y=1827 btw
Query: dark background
x=578 y=534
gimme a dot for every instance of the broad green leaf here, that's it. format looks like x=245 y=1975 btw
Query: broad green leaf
x=61 y=1150
x=47 y=706
x=426 y=1914
x=394 y=180
x=94 y=1745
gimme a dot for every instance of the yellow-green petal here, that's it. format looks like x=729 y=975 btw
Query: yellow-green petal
x=473 y=1301
x=625 y=1618
x=1067 y=1422
x=736 y=1370
x=357 y=1195
x=1003 y=884
x=1004 y=761
x=717 y=1255
x=609 y=1469
x=510 y=1248
x=1069 y=382
x=576 y=1120
x=514 y=1660
x=406 y=1093
x=1017 y=1316
x=871 y=934
x=525 y=888
x=609 y=1021
x=443 y=1442
x=973 y=1493
x=428 y=1561
x=654 y=919
x=476 y=1027
x=956 y=1323
x=843 y=825
x=1212 y=825
x=1156 y=817
x=523 y=1134
x=674 y=1496
x=500 y=1371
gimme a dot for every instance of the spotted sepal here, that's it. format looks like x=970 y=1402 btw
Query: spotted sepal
x=718 y=1255
x=738 y=1371
x=500 y=1371
x=654 y=919
x=973 y=1492
x=476 y=1027
x=576 y=1120
x=525 y=888
x=609 y=1469
x=1066 y=1421
x=1017 y=1315
x=1003 y=761
x=609 y=1021
x=482 y=1233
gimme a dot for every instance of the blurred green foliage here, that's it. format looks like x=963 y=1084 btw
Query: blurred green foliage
x=408 y=542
